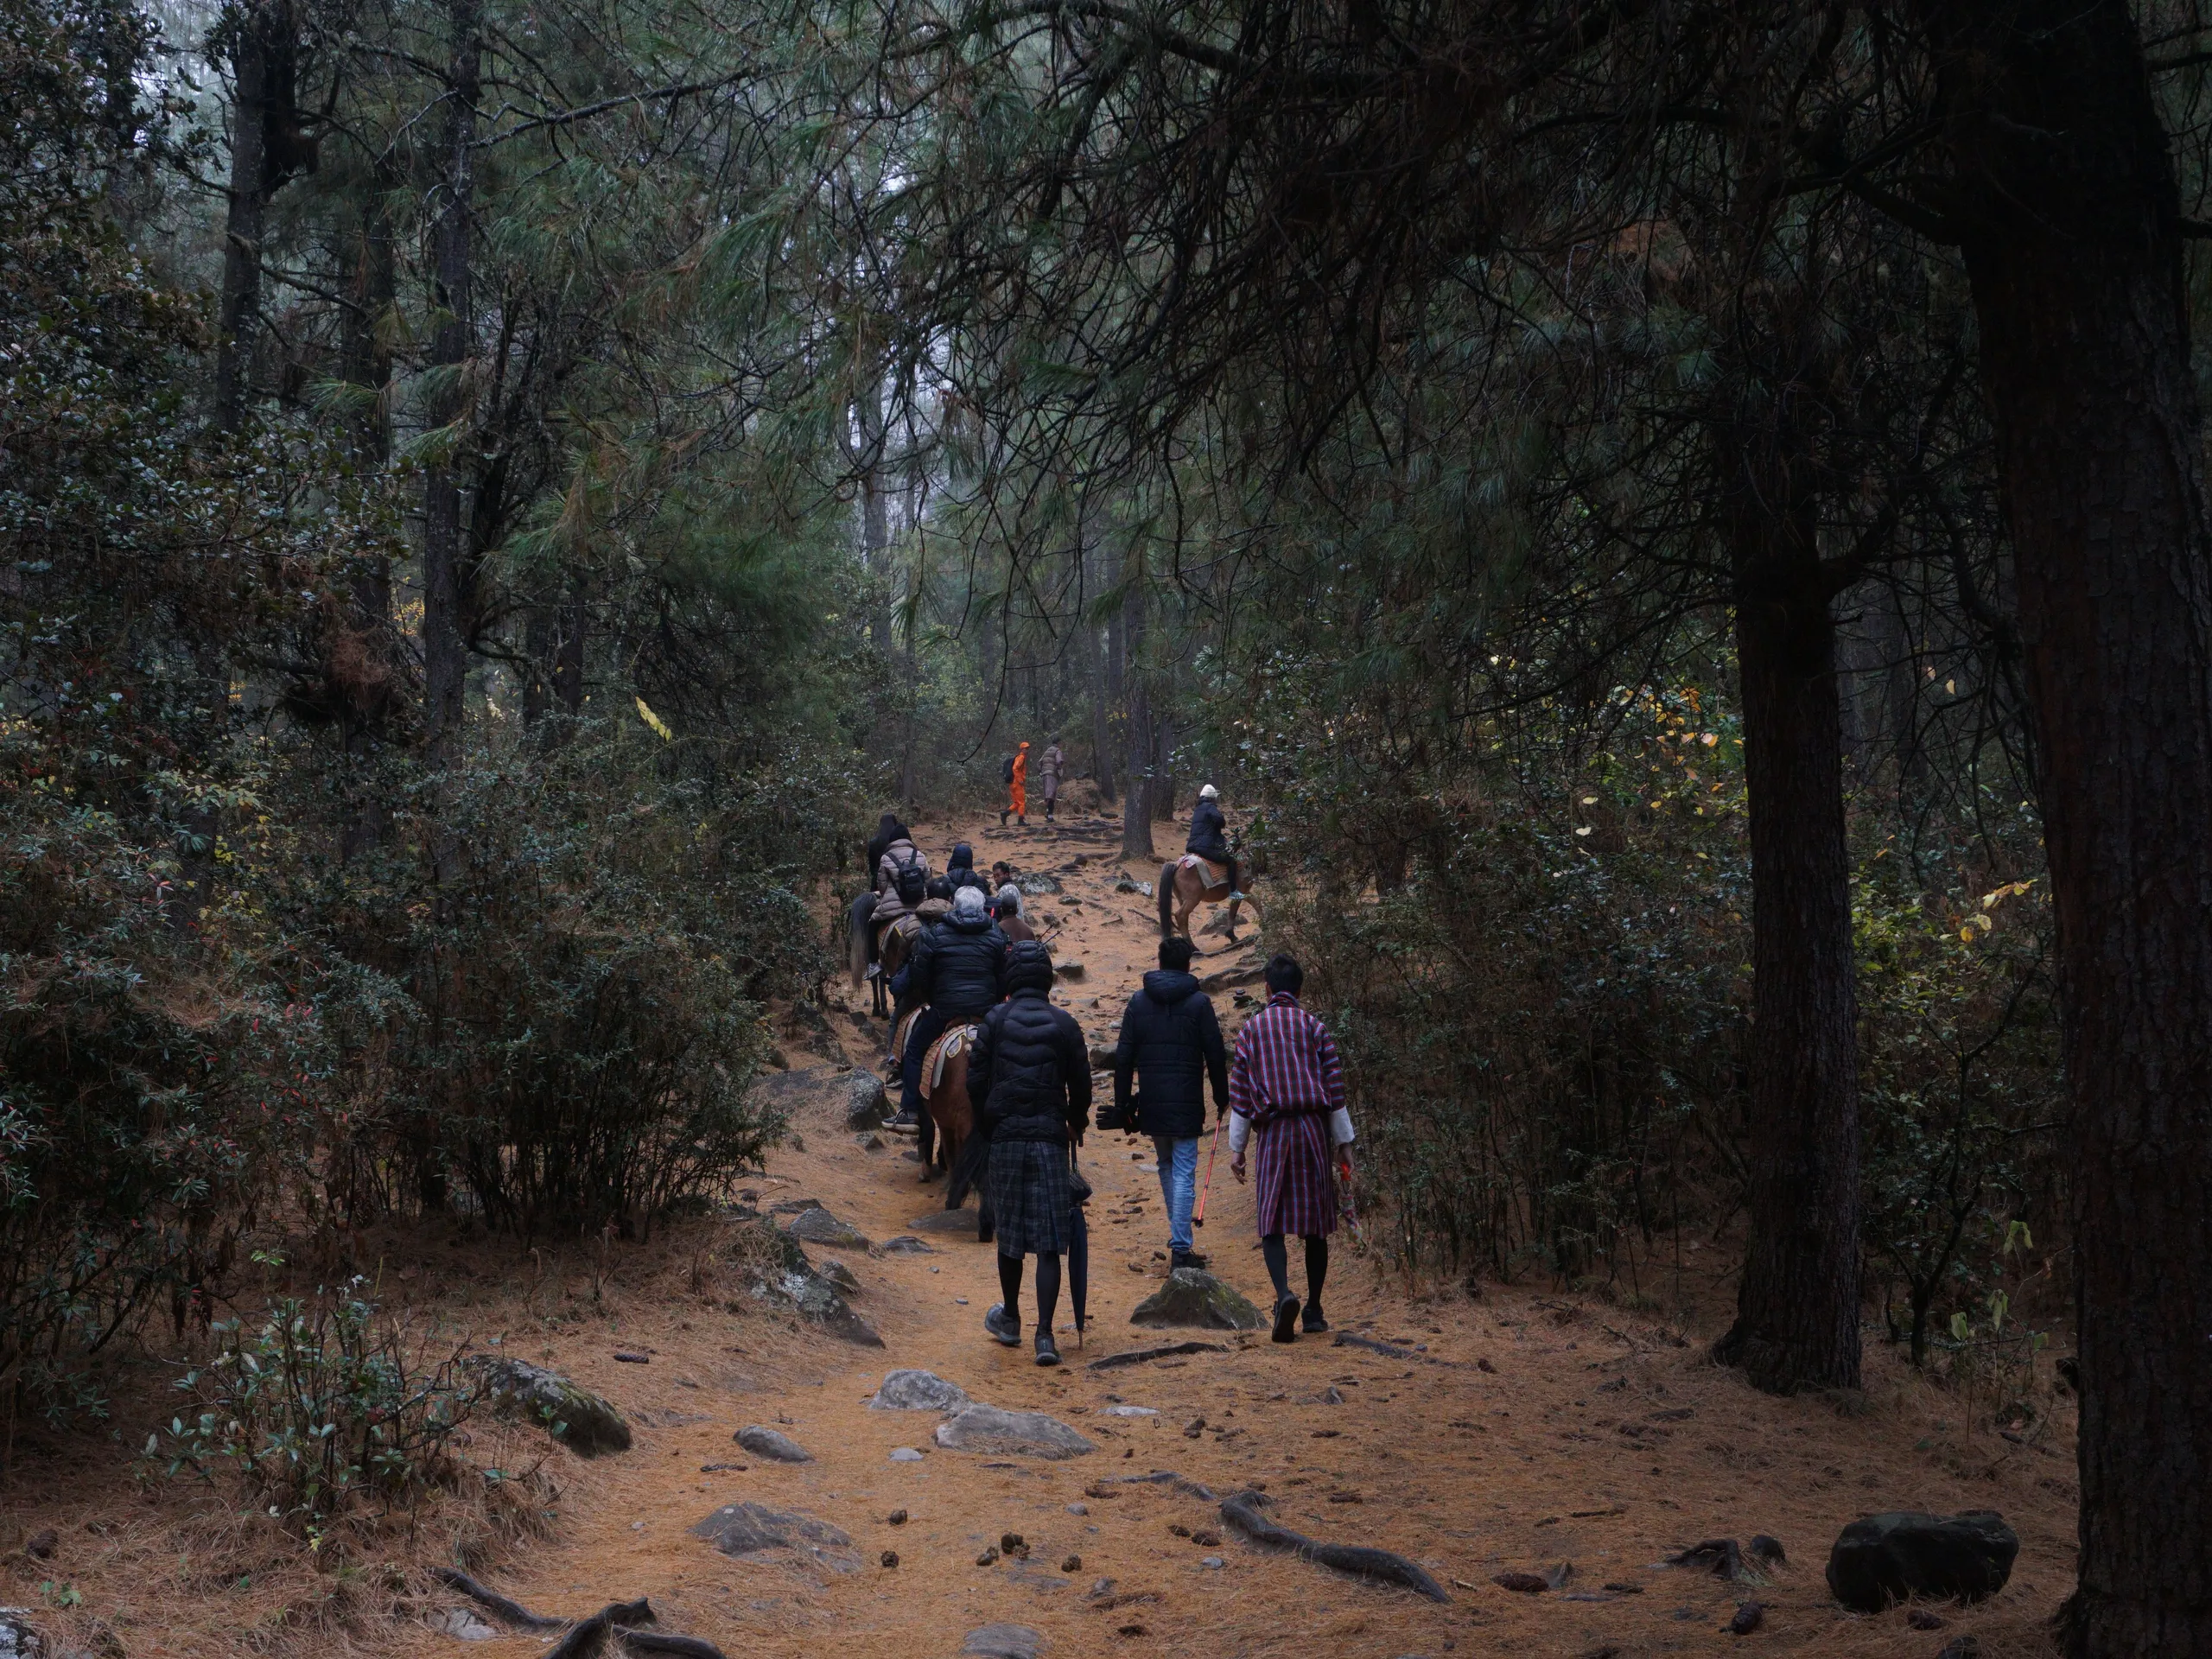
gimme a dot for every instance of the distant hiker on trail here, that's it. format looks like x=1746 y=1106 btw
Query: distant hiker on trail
x=1050 y=765
x=958 y=971
x=1017 y=786
x=1286 y=1093
x=900 y=870
x=1171 y=1042
x=1029 y=1076
x=1208 y=837
x=1012 y=923
x=887 y=831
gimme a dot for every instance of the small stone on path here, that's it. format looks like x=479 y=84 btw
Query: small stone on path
x=979 y=1428
x=915 y=1391
x=1003 y=1642
x=818 y=1226
x=904 y=1454
x=765 y=1442
x=1191 y=1296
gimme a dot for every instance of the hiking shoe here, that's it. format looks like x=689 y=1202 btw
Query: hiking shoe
x=1004 y=1328
x=1287 y=1320
x=905 y=1123
x=1236 y=898
x=1048 y=1351
x=875 y=971
x=1313 y=1321
x=1188 y=1259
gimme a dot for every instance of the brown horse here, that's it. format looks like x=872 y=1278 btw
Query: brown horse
x=897 y=944
x=1182 y=888
x=948 y=1130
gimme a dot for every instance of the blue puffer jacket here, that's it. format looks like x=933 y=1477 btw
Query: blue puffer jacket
x=958 y=968
x=1208 y=836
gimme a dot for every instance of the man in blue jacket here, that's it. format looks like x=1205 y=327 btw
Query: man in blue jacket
x=1171 y=1042
x=958 y=969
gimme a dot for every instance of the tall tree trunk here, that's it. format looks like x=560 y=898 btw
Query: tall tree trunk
x=1106 y=701
x=875 y=520
x=2072 y=231
x=244 y=213
x=1163 y=773
x=1797 y=1306
x=1136 y=799
x=568 y=656
x=445 y=662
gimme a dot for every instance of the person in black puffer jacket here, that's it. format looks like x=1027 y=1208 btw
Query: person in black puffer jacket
x=1029 y=1076
x=1170 y=1041
x=961 y=871
x=958 y=969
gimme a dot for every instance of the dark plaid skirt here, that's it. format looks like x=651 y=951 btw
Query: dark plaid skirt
x=1297 y=1189
x=1026 y=1183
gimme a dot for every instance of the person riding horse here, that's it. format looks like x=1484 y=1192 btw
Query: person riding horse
x=958 y=973
x=1208 y=837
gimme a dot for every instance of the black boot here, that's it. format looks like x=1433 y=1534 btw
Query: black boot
x=1313 y=1321
x=1287 y=1320
x=1048 y=1351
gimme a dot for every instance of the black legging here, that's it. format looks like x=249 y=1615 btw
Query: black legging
x=1048 y=1288
x=1278 y=1261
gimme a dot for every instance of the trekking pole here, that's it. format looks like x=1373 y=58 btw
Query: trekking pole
x=1198 y=1215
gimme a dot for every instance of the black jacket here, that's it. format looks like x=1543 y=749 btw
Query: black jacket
x=958 y=968
x=1171 y=1039
x=1209 y=831
x=1029 y=1073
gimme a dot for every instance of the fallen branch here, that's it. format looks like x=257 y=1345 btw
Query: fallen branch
x=495 y=1603
x=1391 y=1350
x=584 y=1640
x=692 y=1646
x=1138 y=1356
x=1383 y=1566
x=1168 y=1478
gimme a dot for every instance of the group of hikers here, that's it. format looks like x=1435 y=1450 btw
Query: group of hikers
x=1280 y=1095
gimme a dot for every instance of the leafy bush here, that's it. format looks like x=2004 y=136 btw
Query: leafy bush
x=322 y=1408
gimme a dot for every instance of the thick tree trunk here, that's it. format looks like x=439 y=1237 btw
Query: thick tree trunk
x=1136 y=799
x=1797 y=1304
x=1106 y=697
x=244 y=216
x=445 y=661
x=2072 y=230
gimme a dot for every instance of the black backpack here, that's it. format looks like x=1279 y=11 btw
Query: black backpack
x=1009 y=769
x=911 y=879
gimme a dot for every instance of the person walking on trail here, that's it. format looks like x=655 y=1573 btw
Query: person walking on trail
x=960 y=870
x=1012 y=922
x=1017 y=786
x=1286 y=1095
x=1050 y=765
x=958 y=969
x=1170 y=1043
x=1208 y=837
x=1029 y=1077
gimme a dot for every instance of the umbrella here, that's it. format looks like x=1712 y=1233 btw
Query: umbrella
x=1078 y=1246
x=1199 y=1216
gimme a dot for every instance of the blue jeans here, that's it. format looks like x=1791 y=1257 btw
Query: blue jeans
x=1178 y=1184
x=929 y=1026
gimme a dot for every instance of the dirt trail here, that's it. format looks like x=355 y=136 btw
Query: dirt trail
x=1524 y=1430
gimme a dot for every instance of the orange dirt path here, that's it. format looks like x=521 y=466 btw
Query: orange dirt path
x=1535 y=1429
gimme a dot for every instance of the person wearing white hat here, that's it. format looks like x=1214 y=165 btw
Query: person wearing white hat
x=1210 y=835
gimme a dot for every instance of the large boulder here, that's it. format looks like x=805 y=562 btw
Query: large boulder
x=918 y=1391
x=818 y=1226
x=765 y=1442
x=977 y=1428
x=866 y=1105
x=752 y=1531
x=1193 y=1296
x=1882 y=1559
x=587 y=1424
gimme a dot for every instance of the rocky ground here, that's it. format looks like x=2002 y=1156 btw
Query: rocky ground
x=791 y=1489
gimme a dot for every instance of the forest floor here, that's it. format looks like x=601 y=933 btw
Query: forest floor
x=1514 y=1431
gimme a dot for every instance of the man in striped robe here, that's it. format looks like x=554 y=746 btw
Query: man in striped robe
x=1287 y=1097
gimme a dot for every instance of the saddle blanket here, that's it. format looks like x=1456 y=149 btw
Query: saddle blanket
x=1214 y=874
x=906 y=927
x=953 y=1043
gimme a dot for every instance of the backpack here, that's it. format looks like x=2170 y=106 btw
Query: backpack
x=1009 y=769
x=911 y=879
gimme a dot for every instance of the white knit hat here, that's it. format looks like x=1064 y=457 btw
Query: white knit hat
x=1209 y=793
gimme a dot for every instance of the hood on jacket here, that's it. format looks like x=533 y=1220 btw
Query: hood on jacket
x=890 y=830
x=1168 y=986
x=963 y=858
x=1029 y=967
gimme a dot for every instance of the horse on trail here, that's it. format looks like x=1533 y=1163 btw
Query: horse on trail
x=950 y=1122
x=1187 y=882
x=898 y=945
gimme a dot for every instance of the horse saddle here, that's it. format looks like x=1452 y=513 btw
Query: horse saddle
x=950 y=1046
x=1213 y=874
x=906 y=927
x=933 y=910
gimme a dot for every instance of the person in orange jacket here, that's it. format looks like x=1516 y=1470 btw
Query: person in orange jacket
x=1017 y=786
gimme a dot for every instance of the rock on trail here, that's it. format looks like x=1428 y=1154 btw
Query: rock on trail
x=818 y=1226
x=977 y=1428
x=910 y=1391
x=1882 y=1559
x=766 y=1442
x=582 y=1420
x=1193 y=1297
x=745 y=1531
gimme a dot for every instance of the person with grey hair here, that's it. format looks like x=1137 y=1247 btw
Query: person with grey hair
x=958 y=973
x=1012 y=922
